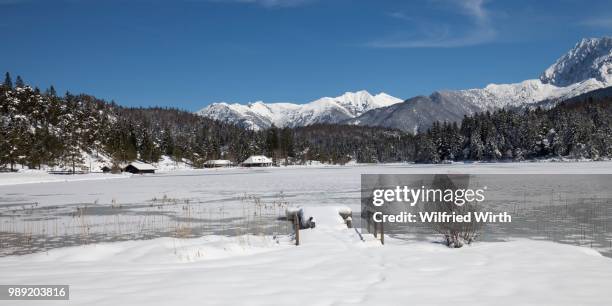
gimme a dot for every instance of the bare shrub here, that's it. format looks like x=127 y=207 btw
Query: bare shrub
x=456 y=234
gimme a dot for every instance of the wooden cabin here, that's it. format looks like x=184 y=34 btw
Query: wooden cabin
x=257 y=161
x=139 y=168
x=217 y=163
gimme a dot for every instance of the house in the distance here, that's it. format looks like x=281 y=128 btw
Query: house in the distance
x=113 y=168
x=257 y=161
x=217 y=163
x=139 y=167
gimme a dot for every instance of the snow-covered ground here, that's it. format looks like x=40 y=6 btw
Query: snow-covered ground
x=41 y=176
x=181 y=178
x=332 y=266
x=93 y=164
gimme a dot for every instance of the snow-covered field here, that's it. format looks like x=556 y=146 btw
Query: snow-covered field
x=93 y=163
x=36 y=176
x=214 y=183
x=332 y=266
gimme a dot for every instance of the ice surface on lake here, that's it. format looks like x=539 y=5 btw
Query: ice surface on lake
x=236 y=201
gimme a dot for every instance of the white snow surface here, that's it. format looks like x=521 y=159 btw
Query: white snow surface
x=94 y=163
x=590 y=58
x=41 y=176
x=259 y=115
x=332 y=266
x=495 y=96
x=167 y=164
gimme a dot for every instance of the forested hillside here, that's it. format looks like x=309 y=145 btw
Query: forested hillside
x=576 y=130
x=43 y=128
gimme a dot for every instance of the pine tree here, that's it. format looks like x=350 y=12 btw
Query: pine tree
x=19 y=82
x=476 y=147
x=8 y=82
x=51 y=91
x=273 y=143
x=286 y=143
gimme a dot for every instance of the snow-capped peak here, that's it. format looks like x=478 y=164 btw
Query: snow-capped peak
x=586 y=67
x=361 y=101
x=387 y=99
x=591 y=58
x=260 y=115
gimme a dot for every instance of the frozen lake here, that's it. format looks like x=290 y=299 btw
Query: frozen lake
x=39 y=216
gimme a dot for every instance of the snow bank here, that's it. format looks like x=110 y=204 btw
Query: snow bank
x=161 y=250
x=332 y=266
x=328 y=269
x=167 y=164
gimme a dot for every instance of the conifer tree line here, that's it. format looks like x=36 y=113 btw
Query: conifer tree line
x=581 y=129
x=578 y=130
x=40 y=128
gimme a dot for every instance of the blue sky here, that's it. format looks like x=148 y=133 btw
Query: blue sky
x=189 y=53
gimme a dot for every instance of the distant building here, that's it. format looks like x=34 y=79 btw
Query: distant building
x=139 y=167
x=113 y=168
x=217 y=163
x=257 y=161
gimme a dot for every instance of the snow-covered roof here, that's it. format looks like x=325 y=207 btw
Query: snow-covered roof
x=142 y=166
x=218 y=162
x=258 y=159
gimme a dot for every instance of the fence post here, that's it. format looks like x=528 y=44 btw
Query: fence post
x=296 y=225
x=375 y=229
x=382 y=233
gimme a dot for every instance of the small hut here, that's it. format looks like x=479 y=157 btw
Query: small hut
x=139 y=167
x=257 y=161
x=217 y=163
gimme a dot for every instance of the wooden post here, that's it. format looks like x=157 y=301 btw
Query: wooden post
x=382 y=233
x=296 y=224
x=375 y=229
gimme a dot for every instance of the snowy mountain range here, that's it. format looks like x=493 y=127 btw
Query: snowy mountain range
x=586 y=67
x=259 y=115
